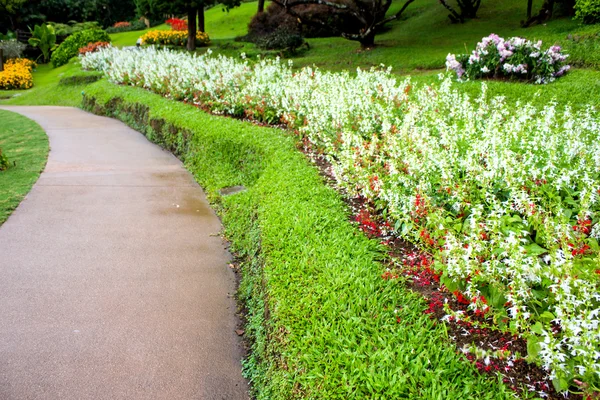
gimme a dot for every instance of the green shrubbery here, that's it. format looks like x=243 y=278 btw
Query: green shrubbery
x=62 y=31
x=587 y=11
x=70 y=47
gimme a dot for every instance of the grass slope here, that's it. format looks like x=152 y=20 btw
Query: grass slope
x=26 y=145
x=322 y=321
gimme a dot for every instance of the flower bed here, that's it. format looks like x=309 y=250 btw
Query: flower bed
x=515 y=58
x=506 y=199
x=17 y=74
x=92 y=47
x=177 y=24
x=175 y=38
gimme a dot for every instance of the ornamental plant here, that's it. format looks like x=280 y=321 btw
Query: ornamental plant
x=44 y=38
x=122 y=24
x=70 y=47
x=92 y=47
x=173 y=38
x=506 y=199
x=177 y=24
x=17 y=74
x=515 y=58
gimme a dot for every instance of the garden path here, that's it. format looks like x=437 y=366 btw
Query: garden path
x=114 y=281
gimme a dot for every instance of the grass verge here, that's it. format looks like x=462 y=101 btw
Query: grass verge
x=25 y=144
x=322 y=322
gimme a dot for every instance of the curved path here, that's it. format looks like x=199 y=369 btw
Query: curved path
x=113 y=282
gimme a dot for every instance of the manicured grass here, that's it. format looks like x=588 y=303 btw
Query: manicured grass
x=122 y=39
x=221 y=24
x=322 y=321
x=26 y=145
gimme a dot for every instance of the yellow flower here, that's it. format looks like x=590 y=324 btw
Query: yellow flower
x=17 y=74
x=176 y=38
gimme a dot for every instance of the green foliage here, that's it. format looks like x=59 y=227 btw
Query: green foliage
x=70 y=47
x=321 y=323
x=3 y=161
x=27 y=144
x=10 y=35
x=587 y=11
x=10 y=6
x=64 y=30
x=44 y=38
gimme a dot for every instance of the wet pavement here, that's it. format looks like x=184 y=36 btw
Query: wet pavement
x=114 y=283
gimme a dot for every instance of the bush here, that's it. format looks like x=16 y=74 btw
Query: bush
x=12 y=48
x=177 y=24
x=133 y=26
x=3 y=161
x=282 y=39
x=70 y=47
x=275 y=18
x=173 y=38
x=63 y=31
x=515 y=58
x=587 y=11
x=17 y=74
x=92 y=47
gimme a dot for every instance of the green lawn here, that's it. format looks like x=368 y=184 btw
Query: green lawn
x=26 y=145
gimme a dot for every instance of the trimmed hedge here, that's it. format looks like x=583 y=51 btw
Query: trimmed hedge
x=321 y=321
x=70 y=47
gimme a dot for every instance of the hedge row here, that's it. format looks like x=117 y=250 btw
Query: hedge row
x=321 y=321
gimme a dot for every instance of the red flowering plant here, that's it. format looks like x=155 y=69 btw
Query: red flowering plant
x=93 y=47
x=177 y=24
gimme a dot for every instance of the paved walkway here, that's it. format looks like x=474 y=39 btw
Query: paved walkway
x=113 y=283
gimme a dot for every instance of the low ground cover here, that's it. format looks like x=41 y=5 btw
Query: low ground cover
x=25 y=145
x=322 y=322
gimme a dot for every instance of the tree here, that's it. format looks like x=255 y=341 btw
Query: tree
x=261 y=6
x=194 y=9
x=468 y=9
x=547 y=11
x=10 y=7
x=370 y=16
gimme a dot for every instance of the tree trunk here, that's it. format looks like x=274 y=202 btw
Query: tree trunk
x=201 y=27
x=192 y=13
x=261 y=6
x=367 y=41
x=1 y=61
x=529 y=6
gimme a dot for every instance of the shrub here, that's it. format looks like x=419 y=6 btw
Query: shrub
x=515 y=58
x=70 y=47
x=177 y=24
x=587 y=11
x=3 y=161
x=62 y=31
x=92 y=47
x=173 y=38
x=12 y=48
x=275 y=17
x=133 y=26
x=282 y=39
x=123 y=24
x=17 y=74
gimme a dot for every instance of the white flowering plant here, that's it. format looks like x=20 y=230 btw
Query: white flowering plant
x=515 y=58
x=505 y=198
